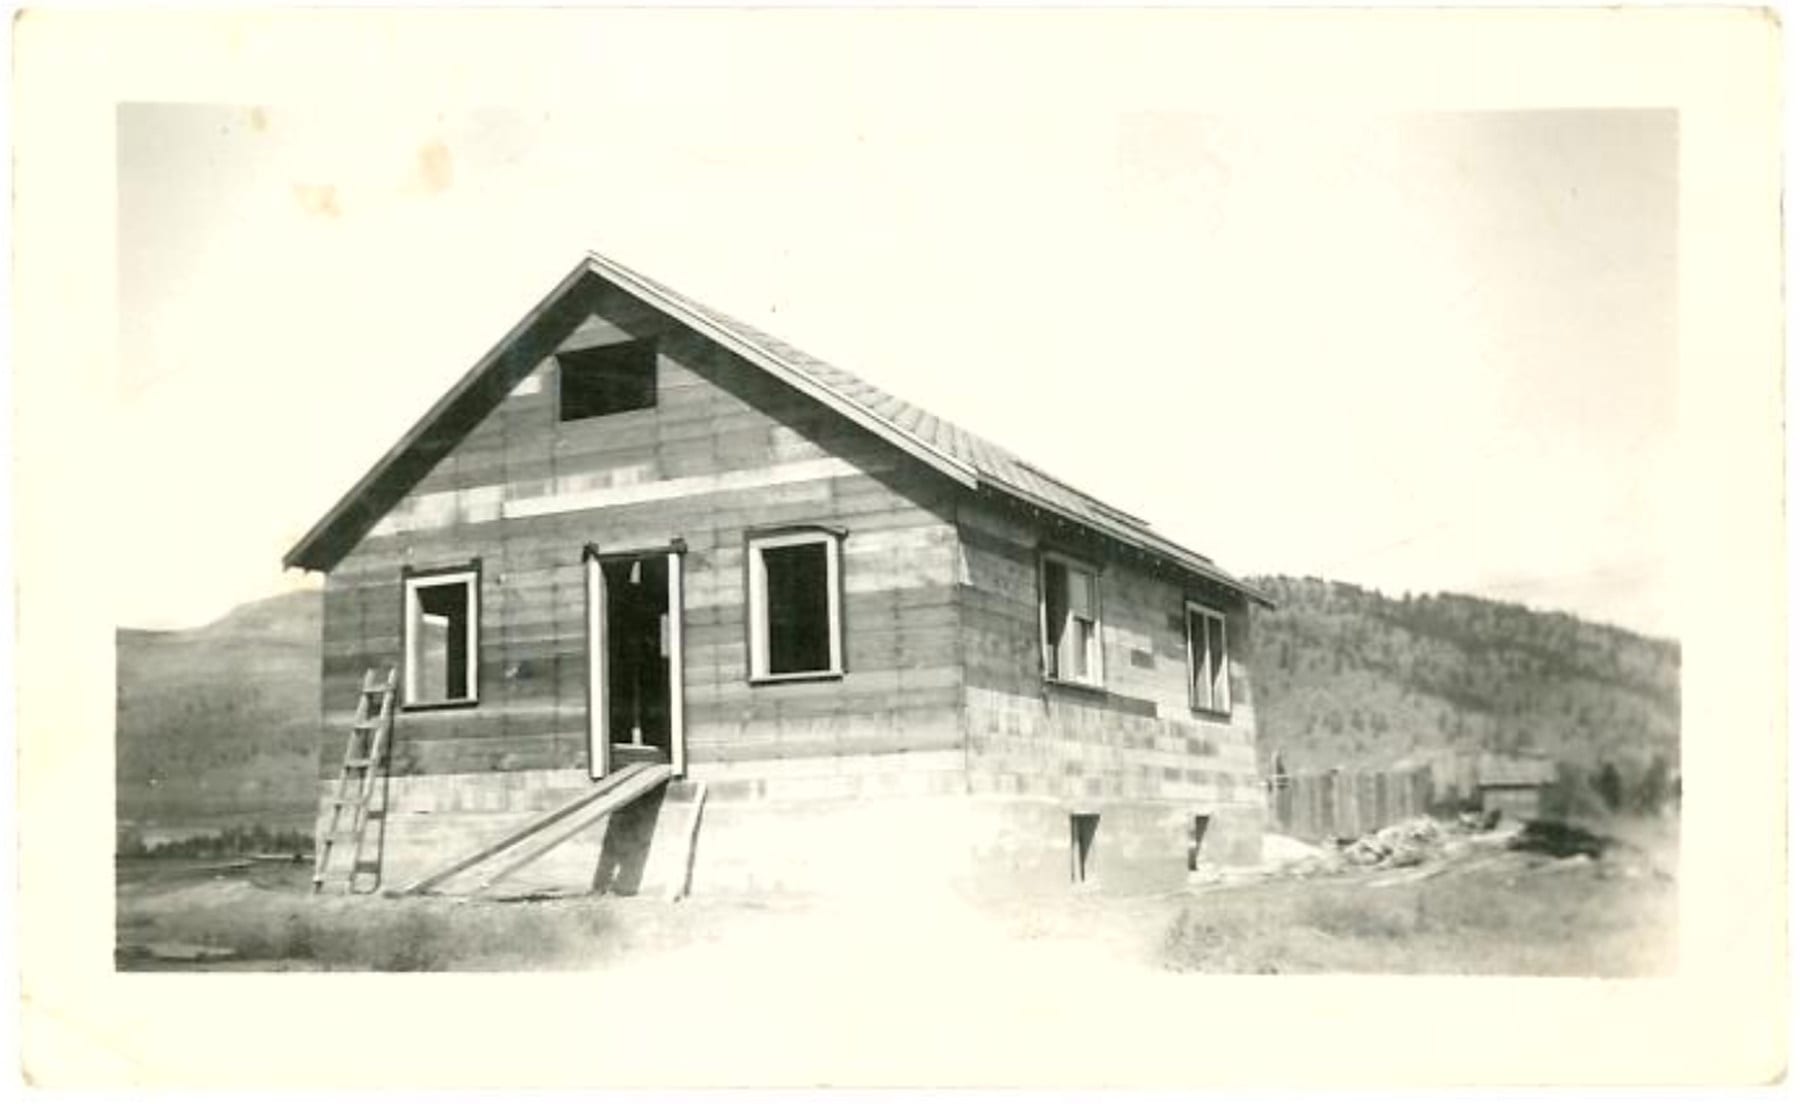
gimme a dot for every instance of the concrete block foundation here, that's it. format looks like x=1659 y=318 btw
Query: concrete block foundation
x=973 y=845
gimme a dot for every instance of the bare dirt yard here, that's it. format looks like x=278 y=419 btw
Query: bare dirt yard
x=1440 y=900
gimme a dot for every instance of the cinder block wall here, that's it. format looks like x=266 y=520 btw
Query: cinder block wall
x=1134 y=752
x=433 y=819
x=907 y=847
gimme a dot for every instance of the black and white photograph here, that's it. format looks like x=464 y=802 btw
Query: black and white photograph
x=936 y=526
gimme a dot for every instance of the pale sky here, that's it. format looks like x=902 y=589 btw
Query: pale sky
x=1418 y=352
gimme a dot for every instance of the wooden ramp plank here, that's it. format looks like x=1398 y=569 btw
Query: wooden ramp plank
x=512 y=839
x=684 y=879
x=652 y=776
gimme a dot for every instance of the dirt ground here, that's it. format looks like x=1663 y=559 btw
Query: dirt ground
x=1467 y=905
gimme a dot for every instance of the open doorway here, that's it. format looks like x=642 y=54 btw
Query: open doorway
x=634 y=659
x=637 y=656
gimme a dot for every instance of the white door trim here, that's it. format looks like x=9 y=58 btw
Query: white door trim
x=599 y=746
x=599 y=739
x=677 y=683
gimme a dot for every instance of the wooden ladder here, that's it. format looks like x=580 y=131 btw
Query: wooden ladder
x=365 y=751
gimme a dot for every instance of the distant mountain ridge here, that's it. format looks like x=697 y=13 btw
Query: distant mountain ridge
x=219 y=725
x=1346 y=676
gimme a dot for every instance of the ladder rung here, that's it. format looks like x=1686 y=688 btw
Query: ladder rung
x=364 y=752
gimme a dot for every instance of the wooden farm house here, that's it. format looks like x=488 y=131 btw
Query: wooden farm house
x=671 y=607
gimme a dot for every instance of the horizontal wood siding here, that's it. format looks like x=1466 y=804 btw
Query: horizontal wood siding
x=726 y=448
x=1136 y=738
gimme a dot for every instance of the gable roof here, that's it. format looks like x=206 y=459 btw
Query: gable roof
x=962 y=456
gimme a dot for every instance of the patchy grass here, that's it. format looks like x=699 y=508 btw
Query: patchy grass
x=1485 y=910
x=1512 y=915
x=288 y=929
x=184 y=915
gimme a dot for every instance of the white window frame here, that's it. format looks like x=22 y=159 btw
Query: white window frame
x=757 y=607
x=1199 y=654
x=1096 y=677
x=471 y=578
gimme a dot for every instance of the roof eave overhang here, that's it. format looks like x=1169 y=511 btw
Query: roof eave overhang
x=313 y=552
x=1183 y=560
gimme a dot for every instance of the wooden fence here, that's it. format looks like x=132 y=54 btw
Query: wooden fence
x=1347 y=803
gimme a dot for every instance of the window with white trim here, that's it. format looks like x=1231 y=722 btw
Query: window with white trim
x=1209 y=662
x=1071 y=620
x=796 y=623
x=440 y=645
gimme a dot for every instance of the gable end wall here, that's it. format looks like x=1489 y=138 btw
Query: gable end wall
x=725 y=449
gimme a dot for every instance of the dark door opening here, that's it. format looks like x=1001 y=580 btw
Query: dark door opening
x=1082 y=828
x=637 y=654
x=1197 y=841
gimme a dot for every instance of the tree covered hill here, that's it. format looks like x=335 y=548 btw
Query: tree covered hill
x=1350 y=677
x=220 y=724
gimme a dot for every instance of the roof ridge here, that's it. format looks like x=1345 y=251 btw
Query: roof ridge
x=778 y=345
x=954 y=450
x=983 y=456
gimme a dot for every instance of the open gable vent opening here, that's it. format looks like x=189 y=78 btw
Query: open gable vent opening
x=607 y=379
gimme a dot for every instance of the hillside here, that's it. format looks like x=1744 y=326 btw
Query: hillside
x=219 y=725
x=1350 y=677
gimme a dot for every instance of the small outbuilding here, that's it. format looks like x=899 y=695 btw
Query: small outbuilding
x=1513 y=784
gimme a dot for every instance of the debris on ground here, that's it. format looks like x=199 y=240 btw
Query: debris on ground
x=1559 y=840
x=1419 y=842
x=1407 y=843
x=1424 y=848
x=1476 y=821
